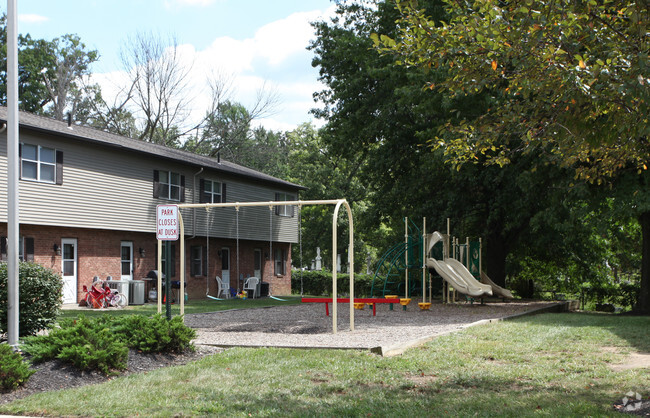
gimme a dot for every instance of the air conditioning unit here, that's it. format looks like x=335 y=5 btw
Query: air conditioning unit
x=122 y=286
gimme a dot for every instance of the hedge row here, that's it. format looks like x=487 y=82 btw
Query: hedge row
x=317 y=283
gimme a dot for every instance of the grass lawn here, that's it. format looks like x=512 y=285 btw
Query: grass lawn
x=546 y=365
x=194 y=306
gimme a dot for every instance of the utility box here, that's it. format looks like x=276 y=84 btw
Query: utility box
x=122 y=286
x=136 y=292
x=264 y=289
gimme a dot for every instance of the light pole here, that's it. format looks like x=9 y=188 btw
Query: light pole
x=12 y=175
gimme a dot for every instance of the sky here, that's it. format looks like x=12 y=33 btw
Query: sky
x=252 y=43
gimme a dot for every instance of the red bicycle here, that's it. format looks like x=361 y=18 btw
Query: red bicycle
x=101 y=296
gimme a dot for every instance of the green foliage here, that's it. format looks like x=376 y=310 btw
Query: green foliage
x=14 y=371
x=582 y=95
x=88 y=344
x=39 y=300
x=154 y=334
x=317 y=283
x=66 y=61
x=103 y=343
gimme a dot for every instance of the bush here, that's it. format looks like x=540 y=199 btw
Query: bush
x=103 y=343
x=319 y=283
x=39 y=300
x=14 y=371
x=155 y=334
x=85 y=343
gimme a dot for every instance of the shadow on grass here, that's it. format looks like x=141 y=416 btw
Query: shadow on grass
x=632 y=329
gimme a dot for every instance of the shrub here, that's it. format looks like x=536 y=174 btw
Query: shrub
x=39 y=301
x=85 y=343
x=14 y=371
x=155 y=334
x=103 y=343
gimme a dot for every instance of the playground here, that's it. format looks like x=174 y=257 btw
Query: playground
x=307 y=325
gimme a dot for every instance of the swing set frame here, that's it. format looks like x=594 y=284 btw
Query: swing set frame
x=271 y=204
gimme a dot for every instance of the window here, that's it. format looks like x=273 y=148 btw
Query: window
x=198 y=261
x=284 y=210
x=168 y=185
x=279 y=261
x=212 y=191
x=164 y=261
x=41 y=164
x=25 y=248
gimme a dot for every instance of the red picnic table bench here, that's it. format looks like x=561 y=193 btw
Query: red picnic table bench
x=372 y=301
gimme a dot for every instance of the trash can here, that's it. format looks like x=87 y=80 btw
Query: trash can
x=264 y=289
x=136 y=292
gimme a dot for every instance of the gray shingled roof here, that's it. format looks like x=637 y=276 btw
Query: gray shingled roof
x=82 y=133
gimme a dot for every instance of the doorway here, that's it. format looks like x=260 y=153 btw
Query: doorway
x=126 y=260
x=225 y=264
x=69 y=269
x=257 y=263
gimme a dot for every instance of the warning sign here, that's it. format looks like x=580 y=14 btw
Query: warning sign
x=167 y=222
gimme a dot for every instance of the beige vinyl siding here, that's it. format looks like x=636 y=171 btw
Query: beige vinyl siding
x=105 y=188
x=254 y=222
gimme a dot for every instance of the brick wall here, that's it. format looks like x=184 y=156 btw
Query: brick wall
x=98 y=253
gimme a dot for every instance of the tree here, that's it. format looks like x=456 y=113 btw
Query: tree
x=227 y=126
x=326 y=175
x=568 y=79
x=50 y=72
x=33 y=55
x=93 y=110
x=159 y=86
x=63 y=80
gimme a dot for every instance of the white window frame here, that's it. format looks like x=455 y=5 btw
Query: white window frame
x=212 y=193
x=167 y=187
x=279 y=265
x=193 y=268
x=39 y=164
x=285 y=210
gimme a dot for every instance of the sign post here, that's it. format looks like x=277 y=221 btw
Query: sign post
x=167 y=230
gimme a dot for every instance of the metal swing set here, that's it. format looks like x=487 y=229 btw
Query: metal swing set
x=271 y=204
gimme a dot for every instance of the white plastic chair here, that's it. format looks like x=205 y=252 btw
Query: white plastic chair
x=250 y=286
x=223 y=288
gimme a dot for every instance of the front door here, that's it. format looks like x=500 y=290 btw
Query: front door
x=127 y=260
x=257 y=261
x=225 y=264
x=69 y=269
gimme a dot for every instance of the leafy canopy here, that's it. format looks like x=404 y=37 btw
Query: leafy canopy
x=568 y=78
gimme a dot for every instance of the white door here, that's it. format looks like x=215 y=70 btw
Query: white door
x=257 y=261
x=69 y=269
x=225 y=264
x=127 y=260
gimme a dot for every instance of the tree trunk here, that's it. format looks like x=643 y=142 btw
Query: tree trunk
x=495 y=260
x=643 y=303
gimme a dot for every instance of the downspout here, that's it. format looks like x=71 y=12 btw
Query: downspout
x=3 y=128
x=194 y=201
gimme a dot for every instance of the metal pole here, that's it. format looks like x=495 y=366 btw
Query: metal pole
x=480 y=256
x=168 y=280
x=160 y=273
x=182 y=287
x=334 y=268
x=424 y=266
x=406 y=257
x=13 y=208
